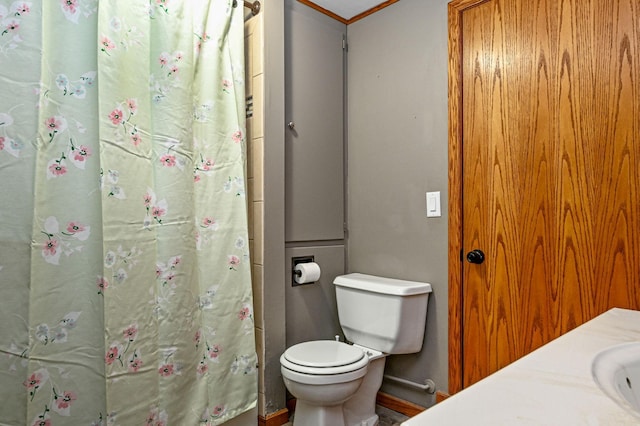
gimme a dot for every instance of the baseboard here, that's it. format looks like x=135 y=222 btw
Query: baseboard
x=441 y=396
x=399 y=405
x=274 y=419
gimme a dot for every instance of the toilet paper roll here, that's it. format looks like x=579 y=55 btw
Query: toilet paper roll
x=308 y=272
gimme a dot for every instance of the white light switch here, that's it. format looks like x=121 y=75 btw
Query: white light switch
x=433 y=204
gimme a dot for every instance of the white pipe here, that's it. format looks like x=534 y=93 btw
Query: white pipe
x=429 y=386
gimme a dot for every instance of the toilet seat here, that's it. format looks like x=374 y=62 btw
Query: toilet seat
x=324 y=357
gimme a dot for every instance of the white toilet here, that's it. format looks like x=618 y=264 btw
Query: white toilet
x=336 y=383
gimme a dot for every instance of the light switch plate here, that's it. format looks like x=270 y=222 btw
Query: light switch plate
x=433 y=204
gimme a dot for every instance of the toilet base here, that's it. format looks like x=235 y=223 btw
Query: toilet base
x=314 y=415
x=360 y=409
x=371 y=421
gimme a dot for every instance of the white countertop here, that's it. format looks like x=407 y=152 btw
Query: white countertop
x=550 y=386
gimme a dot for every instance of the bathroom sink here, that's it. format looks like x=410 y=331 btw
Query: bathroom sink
x=616 y=370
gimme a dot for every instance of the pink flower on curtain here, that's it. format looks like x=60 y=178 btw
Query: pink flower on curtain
x=208 y=221
x=197 y=337
x=34 y=381
x=1 y=143
x=69 y=5
x=77 y=230
x=106 y=44
x=244 y=313
x=163 y=59
x=157 y=417
x=23 y=9
x=207 y=164
x=113 y=353
x=157 y=212
x=132 y=104
x=45 y=421
x=214 y=352
x=73 y=227
x=166 y=370
x=50 y=247
x=11 y=26
x=202 y=369
x=168 y=160
x=116 y=116
x=135 y=363
x=135 y=138
x=82 y=153
x=63 y=402
x=53 y=123
x=102 y=285
x=155 y=209
x=130 y=333
x=218 y=410
x=233 y=261
x=57 y=169
x=237 y=136
x=169 y=277
x=203 y=38
x=162 y=4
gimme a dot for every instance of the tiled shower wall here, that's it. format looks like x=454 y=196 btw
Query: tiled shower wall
x=254 y=60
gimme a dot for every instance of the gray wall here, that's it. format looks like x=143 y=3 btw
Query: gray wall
x=274 y=258
x=397 y=151
x=311 y=308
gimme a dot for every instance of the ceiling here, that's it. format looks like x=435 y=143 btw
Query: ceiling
x=348 y=11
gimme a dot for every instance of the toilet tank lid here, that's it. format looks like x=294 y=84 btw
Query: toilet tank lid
x=382 y=285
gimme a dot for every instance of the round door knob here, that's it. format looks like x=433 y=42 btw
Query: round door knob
x=291 y=125
x=475 y=256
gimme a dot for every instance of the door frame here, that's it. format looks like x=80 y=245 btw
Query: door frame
x=455 y=10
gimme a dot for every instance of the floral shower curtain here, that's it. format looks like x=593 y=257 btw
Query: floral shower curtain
x=125 y=293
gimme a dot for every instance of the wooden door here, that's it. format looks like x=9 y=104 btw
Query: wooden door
x=544 y=173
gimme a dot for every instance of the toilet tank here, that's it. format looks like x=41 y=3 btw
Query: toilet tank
x=385 y=314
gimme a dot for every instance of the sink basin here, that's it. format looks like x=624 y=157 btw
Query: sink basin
x=616 y=370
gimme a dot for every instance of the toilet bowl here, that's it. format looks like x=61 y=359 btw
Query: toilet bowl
x=336 y=383
x=322 y=375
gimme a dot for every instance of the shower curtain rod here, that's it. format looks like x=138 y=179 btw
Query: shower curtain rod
x=255 y=6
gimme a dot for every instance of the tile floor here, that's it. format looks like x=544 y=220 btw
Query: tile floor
x=387 y=417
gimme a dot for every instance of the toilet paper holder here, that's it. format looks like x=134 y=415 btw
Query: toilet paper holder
x=295 y=261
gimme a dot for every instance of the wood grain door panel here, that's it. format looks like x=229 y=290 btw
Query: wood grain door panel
x=544 y=173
